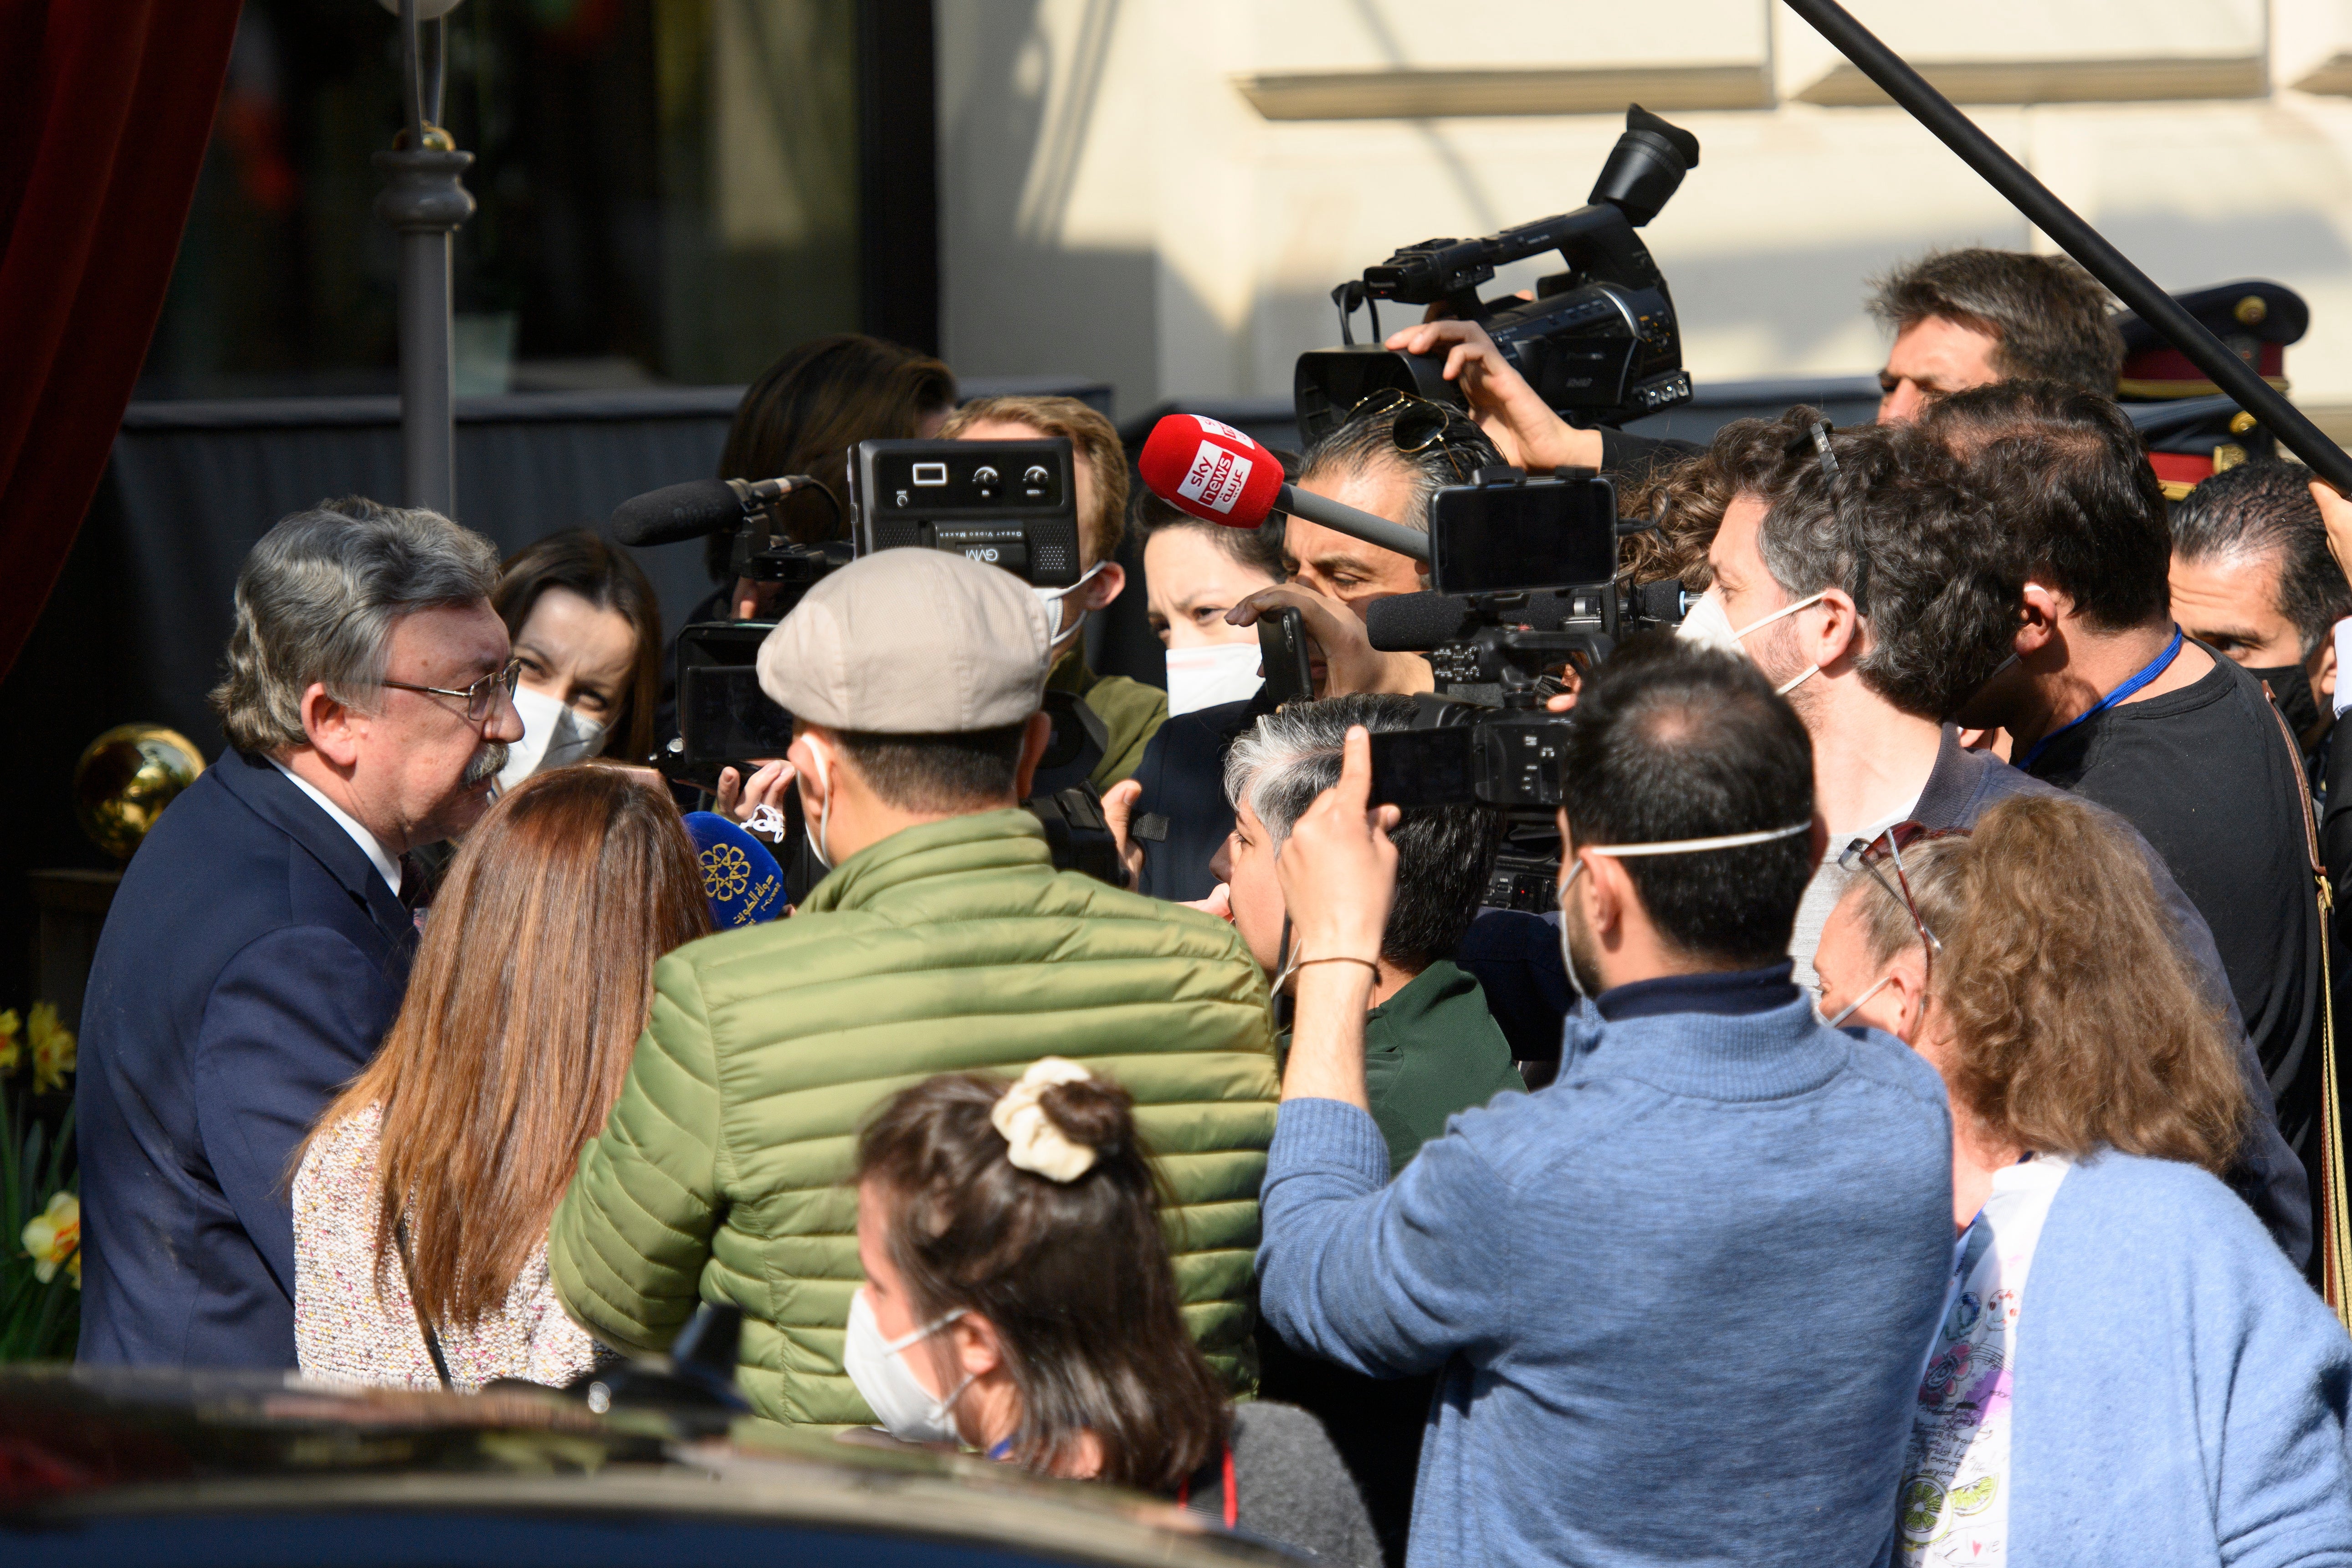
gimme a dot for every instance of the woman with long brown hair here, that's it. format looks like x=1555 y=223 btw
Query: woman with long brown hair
x=423 y=1196
x=2181 y=1398
x=1019 y=1299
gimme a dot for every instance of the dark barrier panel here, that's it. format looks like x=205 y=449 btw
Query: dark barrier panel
x=135 y=629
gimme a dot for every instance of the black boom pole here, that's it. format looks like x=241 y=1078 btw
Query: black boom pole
x=2078 y=240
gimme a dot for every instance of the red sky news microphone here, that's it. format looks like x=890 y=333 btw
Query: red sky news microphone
x=1218 y=474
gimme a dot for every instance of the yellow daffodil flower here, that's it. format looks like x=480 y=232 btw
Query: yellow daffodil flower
x=54 y=1052
x=54 y=1236
x=12 y=1045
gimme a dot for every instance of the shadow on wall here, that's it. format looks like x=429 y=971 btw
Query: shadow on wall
x=1018 y=300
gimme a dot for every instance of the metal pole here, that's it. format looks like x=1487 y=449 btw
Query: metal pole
x=425 y=200
x=2078 y=240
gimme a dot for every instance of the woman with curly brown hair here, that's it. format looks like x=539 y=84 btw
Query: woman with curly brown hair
x=2180 y=1393
x=1019 y=1299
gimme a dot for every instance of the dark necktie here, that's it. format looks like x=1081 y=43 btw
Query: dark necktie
x=416 y=888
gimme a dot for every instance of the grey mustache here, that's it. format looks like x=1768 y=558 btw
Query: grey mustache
x=486 y=764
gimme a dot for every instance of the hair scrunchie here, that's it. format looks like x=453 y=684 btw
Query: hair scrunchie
x=1036 y=1143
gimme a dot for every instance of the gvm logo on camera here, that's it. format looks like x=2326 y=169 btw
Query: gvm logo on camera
x=1216 y=477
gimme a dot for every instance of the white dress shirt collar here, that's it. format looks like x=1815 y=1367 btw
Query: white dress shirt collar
x=385 y=864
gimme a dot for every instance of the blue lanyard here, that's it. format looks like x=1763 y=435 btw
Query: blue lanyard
x=1002 y=1449
x=2156 y=667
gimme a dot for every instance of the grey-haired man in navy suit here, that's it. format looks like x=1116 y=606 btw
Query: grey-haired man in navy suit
x=259 y=944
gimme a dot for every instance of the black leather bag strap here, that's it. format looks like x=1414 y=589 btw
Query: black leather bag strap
x=423 y=1325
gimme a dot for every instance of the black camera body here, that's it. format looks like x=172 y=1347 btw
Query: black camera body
x=1523 y=572
x=1599 y=343
x=1013 y=505
x=1009 y=504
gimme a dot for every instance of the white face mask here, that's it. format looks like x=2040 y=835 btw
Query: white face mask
x=817 y=845
x=1668 y=847
x=1052 y=599
x=1709 y=624
x=553 y=736
x=1568 y=948
x=1848 y=1010
x=906 y=1410
x=1203 y=677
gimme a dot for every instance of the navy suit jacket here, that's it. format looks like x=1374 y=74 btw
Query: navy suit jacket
x=251 y=963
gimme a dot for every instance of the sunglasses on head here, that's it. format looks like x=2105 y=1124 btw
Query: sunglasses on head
x=1816 y=439
x=1886 y=848
x=1420 y=424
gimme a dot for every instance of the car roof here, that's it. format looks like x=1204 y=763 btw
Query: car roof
x=123 y=1444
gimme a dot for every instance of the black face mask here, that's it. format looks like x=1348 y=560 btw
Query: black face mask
x=2291 y=687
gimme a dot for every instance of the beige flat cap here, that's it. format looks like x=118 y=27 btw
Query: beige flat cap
x=911 y=642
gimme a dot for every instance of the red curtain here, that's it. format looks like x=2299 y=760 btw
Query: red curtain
x=105 y=109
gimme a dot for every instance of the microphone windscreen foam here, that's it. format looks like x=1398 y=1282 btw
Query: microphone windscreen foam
x=676 y=512
x=1210 y=470
x=740 y=876
x=1415 y=623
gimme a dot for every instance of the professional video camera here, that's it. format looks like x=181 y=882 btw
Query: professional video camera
x=1011 y=504
x=1599 y=343
x=1523 y=585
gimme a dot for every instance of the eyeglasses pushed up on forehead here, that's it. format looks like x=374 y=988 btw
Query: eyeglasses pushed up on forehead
x=1887 y=847
x=1816 y=441
x=481 y=697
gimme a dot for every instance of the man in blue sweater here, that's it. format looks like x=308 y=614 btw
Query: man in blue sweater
x=1677 y=1300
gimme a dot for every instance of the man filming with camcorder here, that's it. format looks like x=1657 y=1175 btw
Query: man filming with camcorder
x=1387 y=461
x=1583 y=1268
x=1387 y=433
x=1960 y=319
x=1130 y=711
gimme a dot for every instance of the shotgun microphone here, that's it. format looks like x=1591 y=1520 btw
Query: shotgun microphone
x=696 y=508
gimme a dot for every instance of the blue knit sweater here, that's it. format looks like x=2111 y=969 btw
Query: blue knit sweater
x=2181 y=1393
x=1681 y=1297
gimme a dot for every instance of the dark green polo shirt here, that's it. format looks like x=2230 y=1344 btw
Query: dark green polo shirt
x=1430 y=1050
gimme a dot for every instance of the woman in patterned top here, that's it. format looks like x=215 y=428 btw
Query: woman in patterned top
x=2127 y=1369
x=422 y=1198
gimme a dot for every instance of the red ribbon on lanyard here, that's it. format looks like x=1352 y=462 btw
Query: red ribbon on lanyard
x=1232 y=1498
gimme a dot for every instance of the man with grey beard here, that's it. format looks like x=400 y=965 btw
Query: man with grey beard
x=259 y=944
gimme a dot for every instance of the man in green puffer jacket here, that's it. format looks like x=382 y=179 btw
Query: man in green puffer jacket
x=943 y=941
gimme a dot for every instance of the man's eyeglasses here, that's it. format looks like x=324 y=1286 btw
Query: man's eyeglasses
x=481 y=697
x=1869 y=854
x=1420 y=424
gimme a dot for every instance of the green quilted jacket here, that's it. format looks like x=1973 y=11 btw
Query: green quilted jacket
x=952 y=946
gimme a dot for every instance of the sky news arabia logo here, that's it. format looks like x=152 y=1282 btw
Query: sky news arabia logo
x=1216 y=478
